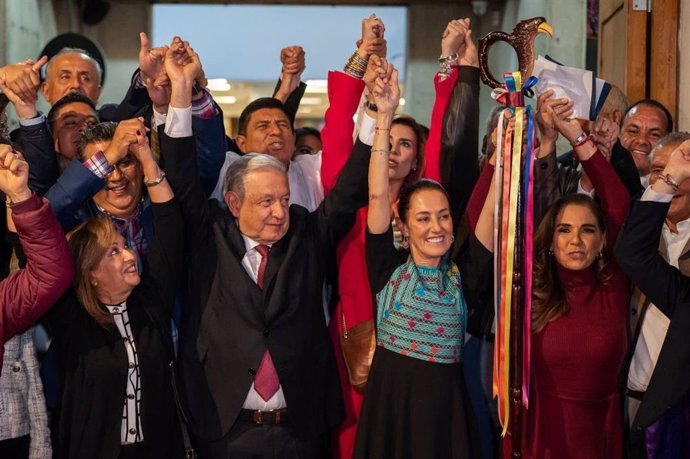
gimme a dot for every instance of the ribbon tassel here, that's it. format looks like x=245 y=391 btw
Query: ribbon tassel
x=513 y=228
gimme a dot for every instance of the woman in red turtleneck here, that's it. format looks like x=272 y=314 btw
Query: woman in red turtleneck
x=579 y=316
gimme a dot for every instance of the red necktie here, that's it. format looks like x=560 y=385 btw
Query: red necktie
x=266 y=382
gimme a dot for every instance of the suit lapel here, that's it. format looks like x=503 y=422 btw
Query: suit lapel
x=684 y=259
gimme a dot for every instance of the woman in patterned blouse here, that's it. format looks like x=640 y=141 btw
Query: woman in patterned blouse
x=112 y=331
x=415 y=403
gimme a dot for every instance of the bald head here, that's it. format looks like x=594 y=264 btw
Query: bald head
x=72 y=70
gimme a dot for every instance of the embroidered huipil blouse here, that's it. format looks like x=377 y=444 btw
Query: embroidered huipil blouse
x=421 y=313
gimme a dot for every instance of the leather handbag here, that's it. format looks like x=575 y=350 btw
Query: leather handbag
x=358 y=344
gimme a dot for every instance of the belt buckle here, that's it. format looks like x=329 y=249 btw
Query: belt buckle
x=257 y=417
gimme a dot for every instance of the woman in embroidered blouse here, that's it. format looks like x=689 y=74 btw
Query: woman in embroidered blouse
x=415 y=403
x=414 y=157
x=112 y=331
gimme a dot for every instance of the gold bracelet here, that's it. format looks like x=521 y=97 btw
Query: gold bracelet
x=380 y=150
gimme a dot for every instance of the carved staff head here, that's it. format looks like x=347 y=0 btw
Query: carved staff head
x=522 y=41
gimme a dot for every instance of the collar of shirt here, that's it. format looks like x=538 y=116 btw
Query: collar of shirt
x=116 y=308
x=252 y=258
x=675 y=242
x=143 y=204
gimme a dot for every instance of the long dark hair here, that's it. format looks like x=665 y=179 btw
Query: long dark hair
x=549 y=299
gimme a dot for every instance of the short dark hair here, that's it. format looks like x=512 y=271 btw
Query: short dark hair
x=305 y=131
x=259 y=104
x=71 y=98
x=101 y=132
x=656 y=104
x=408 y=191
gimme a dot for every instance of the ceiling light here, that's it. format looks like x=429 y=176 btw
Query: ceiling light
x=218 y=84
x=225 y=99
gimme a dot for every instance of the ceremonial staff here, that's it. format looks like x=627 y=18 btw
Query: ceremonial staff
x=513 y=223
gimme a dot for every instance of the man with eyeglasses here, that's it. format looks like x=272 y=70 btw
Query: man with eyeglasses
x=109 y=181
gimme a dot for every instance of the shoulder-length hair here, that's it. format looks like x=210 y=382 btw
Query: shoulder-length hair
x=549 y=299
x=89 y=243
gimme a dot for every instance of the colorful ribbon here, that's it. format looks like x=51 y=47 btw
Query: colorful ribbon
x=513 y=228
x=510 y=94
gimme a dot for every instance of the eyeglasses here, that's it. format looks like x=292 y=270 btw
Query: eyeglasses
x=125 y=163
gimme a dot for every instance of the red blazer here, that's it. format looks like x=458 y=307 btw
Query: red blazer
x=26 y=294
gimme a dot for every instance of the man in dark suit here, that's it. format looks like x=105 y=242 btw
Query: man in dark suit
x=257 y=368
x=661 y=421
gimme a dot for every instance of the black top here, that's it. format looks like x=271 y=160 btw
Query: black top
x=93 y=361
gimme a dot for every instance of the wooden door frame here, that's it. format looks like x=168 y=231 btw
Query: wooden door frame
x=651 y=54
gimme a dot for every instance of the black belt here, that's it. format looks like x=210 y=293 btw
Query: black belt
x=264 y=417
x=636 y=394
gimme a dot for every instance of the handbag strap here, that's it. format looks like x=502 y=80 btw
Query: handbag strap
x=189 y=452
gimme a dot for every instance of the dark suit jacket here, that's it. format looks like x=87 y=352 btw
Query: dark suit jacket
x=93 y=359
x=229 y=321
x=669 y=290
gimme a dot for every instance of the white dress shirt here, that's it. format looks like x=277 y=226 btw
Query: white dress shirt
x=251 y=262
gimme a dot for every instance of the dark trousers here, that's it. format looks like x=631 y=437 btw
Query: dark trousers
x=247 y=440
x=15 y=448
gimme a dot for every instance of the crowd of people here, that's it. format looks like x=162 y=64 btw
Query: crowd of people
x=302 y=293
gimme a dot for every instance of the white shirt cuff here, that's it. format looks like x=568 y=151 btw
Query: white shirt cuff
x=651 y=195
x=39 y=119
x=159 y=118
x=581 y=190
x=178 y=122
x=367 y=129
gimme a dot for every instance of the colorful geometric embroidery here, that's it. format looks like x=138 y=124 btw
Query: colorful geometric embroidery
x=421 y=313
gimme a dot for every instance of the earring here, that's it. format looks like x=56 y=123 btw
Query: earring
x=452 y=238
x=405 y=243
x=94 y=283
x=599 y=254
x=550 y=252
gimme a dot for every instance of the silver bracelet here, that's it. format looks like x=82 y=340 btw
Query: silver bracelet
x=579 y=139
x=668 y=180
x=154 y=182
x=448 y=59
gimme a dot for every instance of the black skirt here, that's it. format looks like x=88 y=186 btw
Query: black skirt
x=415 y=409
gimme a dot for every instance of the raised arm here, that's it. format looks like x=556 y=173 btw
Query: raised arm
x=165 y=259
x=452 y=43
x=207 y=122
x=547 y=186
x=614 y=197
x=19 y=83
x=344 y=94
x=387 y=95
x=178 y=146
x=459 y=144
x=637 y=249
x=290 y=89
x=26 y=294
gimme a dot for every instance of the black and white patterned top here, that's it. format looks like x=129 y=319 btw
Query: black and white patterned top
x=130 y=431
